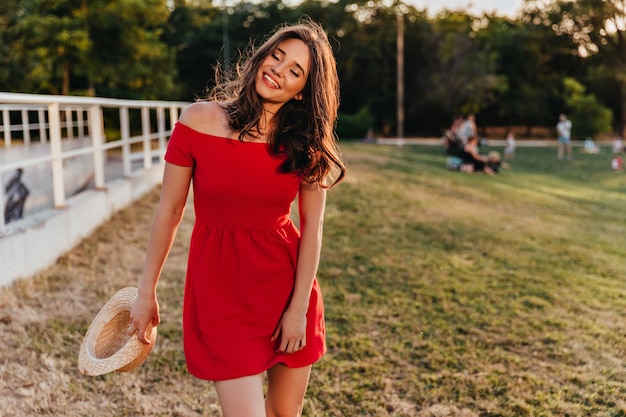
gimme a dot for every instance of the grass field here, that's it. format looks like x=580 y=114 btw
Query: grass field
x=447 y=294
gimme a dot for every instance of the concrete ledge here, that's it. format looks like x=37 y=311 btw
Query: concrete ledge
x=36 y=243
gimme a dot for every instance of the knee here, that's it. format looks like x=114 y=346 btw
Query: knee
x=283 y=410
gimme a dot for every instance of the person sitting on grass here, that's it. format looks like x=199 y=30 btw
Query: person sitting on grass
x=473 y=161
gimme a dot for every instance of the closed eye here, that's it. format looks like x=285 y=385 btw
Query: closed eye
x=297 y=70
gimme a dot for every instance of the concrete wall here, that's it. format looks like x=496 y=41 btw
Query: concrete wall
x=36 y=243
x=78 y=170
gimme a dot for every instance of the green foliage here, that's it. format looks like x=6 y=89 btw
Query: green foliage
x=594 y=28
x=590 y=118
x=48 y=41
x=109 y=48
x=466 y=75
x=520 y=52
x=355 y=126
x=506 y=71
x=367 y=54
x=129 y=58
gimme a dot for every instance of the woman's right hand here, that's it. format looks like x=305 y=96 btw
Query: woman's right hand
x=145 y=310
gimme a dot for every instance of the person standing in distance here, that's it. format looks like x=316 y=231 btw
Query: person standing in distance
x=564 y=133
x=509 y=145
x=252 y=304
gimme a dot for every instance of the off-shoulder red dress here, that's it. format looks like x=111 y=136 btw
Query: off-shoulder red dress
x=242 y=258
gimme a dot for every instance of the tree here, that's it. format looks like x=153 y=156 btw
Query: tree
x=531 y=61
x=90 y=47
x=193 y=33
x=595 y=27
x=367 y=56
x=456 y=73
x=518 y=63
x=128 y=55
x=590 y=117
x=465 y=77
x=48 y=41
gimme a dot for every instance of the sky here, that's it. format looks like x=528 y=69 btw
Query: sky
x=501 y=7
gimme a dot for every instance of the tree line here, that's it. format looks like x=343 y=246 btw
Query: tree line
x=556 y=56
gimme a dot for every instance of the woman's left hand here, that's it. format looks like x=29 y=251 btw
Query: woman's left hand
x=292 y=332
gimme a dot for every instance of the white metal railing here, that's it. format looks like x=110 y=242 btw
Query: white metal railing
x=82 y=117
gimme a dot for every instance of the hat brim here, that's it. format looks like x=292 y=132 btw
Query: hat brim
x=107 y=346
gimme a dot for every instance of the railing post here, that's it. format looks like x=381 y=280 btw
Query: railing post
x=80 y=122
x=69 y=125
x=58 y=185
x=145 y=130
x=97 y=139
x=125 y=136
x=41 y=117
x=173 y=116
x=3 y=229
x=25 y=127
x=6 y=124
x=161 y=130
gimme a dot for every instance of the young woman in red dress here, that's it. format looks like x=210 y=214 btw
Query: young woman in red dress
x=253 y=310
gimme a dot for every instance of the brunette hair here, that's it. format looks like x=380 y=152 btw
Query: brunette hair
x=304 y=129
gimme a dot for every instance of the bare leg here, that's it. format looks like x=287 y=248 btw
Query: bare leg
x=467 y=168
x=559 y=155
x=286 y=388
x=489 y=171
x=242 y=396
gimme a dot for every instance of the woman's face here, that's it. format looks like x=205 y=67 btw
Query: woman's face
x=283 y=74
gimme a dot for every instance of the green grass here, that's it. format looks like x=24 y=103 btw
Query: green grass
x=497 y=296
x=447 y=294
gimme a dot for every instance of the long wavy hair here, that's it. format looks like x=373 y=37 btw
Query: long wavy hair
x=303 y=131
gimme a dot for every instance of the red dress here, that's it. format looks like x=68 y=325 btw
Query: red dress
x=242 y=258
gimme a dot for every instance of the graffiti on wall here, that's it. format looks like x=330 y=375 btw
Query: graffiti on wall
x=16 y=193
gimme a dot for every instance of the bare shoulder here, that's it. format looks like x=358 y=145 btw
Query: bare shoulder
x=206 y=117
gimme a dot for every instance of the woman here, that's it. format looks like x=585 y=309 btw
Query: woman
x=252 y=303
x=473 y=161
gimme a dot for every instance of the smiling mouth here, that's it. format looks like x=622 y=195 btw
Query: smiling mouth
x=269 y=81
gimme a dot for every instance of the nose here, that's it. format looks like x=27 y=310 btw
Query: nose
x=276 y=69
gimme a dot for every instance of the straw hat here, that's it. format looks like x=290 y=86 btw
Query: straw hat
x=107 y=346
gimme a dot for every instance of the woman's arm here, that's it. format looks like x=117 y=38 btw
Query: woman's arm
x=311 y=203
x=174 y=191
x=473 y=150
